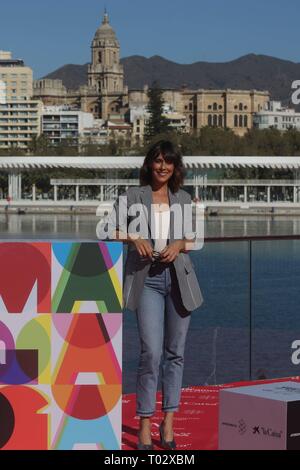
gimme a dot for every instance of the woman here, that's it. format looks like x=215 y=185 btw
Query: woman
x=160 y=284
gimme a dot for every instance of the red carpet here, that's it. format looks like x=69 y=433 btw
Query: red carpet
x=195 y=426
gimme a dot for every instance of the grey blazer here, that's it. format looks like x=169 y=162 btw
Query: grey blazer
x=136 y=269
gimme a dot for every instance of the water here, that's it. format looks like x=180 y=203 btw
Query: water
x=63 y=226
x=48 y=226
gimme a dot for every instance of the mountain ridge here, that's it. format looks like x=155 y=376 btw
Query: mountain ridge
x=251 y=71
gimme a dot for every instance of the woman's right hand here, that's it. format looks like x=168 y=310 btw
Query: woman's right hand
x=143 y=247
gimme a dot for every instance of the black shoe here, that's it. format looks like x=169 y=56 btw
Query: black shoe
x=141 y=446
x=168 y=445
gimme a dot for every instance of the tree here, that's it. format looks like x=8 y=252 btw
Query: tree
x=157 y=123
x=40 y=145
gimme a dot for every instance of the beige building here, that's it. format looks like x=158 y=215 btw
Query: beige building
x=119 y=130
x=51 y=92
x=19 y=113
x=96 y=135
x=233 y=109
x=19 y=123
x=15 y=78
x=106 y=96
x=194 y=109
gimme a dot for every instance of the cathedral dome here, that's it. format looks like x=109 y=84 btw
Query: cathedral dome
x=105 y=31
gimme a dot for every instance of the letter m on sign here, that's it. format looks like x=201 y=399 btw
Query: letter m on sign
x=25 y=277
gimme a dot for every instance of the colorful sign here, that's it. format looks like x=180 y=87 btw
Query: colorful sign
x=60 y=345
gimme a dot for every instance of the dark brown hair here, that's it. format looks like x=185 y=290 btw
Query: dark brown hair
x=171 y=155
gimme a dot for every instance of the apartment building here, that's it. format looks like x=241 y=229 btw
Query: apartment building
x=19 y=113
x=60 y=123
x=19 y=123
x=277 y=116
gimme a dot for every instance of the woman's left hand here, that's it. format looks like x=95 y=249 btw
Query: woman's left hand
x=170 y=252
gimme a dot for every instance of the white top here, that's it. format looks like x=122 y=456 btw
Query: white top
x=162 y=224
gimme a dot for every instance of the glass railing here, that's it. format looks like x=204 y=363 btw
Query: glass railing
x=249 y=324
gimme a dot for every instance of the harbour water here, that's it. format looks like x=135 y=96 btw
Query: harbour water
x=83 y=226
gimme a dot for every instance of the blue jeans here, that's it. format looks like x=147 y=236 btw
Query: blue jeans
x=163 y=324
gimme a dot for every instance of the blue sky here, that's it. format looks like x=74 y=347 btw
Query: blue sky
x=49 y=34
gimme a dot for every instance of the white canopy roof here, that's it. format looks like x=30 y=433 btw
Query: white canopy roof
x=129 y=162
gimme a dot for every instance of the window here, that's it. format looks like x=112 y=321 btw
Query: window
x=241 y=121
x=209 y=120
x=236 y=124
x=215 y=120
x=245 y=121
x=215 y=106
x=220 y=120
x=241 y=106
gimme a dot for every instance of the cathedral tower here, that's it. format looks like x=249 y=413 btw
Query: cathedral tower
x=105 y=73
